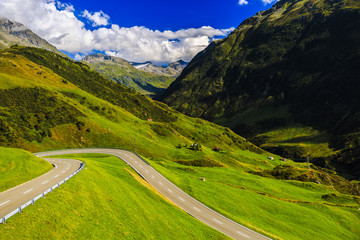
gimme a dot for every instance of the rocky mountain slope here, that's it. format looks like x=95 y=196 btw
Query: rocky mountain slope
x=172 y=70
x=288 y=78
x=121 y=71
x=13 y=33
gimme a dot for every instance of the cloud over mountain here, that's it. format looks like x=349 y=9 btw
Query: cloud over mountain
x=58 y=23
x=97 y=18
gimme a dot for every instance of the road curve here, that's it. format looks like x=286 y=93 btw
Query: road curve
x=14 y=198
x=173 y=193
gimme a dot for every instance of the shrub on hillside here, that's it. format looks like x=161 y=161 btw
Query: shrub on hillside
x=200 y=163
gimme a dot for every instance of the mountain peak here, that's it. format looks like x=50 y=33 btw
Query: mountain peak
x=139 y=64
x=172 y=70
x=182 y=62
x=14 y=33
x=99 y=57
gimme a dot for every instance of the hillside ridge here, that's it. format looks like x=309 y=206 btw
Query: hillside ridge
x=14 y=33
x=122 y=72
x=292 y=66
x=173 y=69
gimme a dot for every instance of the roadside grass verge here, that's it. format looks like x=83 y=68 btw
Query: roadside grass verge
x=281 y=209
x=104 y=201
x=18 y=166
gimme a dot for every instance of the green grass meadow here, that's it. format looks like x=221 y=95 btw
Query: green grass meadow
x=280 y=209
x=105 y=201
x=18 y=166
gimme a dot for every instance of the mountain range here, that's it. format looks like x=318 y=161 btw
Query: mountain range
x=287 y=78
x=121 y=71
x=150 y=79
x=49 y=102
x=172 y=70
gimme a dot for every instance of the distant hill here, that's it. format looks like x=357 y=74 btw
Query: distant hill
x=13 y=33
x=288 y=78
x=121 y=71
x=172 y=70
x=48 y=101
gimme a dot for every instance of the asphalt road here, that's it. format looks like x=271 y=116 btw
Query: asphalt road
x=14 y=198
x=161 y=184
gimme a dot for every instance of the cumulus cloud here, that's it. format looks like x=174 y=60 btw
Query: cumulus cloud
x=269 y=1
x=65 y=6
x=78 y=57
x=142 y=44
x=97 y=18
x=265 y=2
x=57 y=23
x=243 y=2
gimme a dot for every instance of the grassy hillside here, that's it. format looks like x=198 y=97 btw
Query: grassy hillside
x=265 y=204
x=281 y=209
x=71 y=110
x=121 y=71
x=292 y=66
x=19 y=166
x=106 y=200
x=49 y=102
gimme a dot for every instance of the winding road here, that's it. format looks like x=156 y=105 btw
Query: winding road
x=13 y=198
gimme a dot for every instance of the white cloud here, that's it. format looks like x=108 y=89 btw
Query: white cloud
x=265 y=2
x=97 y=18
x=78 y=57
x=243 y=2
x=269 y=1
x=56 y=22
x=142 y=44
x=64 y=6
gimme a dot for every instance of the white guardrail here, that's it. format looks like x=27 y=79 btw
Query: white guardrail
x=42 y=195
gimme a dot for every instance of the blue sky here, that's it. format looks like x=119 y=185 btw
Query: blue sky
x=158 y=31
x=174 y=15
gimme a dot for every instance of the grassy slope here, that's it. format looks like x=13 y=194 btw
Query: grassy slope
x=311 y=142
x=108 y=125
x=129 y=76
x=294 y=139
x=278 y=208
x=18 y=166
x=105 y=201
x=285 y=57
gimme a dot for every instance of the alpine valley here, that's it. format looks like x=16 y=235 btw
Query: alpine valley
x=145 y=78
x=287 y=79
